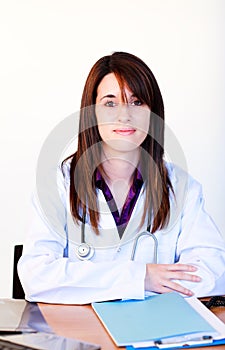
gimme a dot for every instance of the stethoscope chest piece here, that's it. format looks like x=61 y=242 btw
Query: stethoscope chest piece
x=84 y=251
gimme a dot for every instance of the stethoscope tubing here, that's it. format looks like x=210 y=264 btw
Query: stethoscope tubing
x=145 y=233
x=85 y=251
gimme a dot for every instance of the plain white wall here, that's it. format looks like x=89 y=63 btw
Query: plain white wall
x=47 y=48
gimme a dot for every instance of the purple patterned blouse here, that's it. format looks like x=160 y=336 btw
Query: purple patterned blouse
x=123 y=219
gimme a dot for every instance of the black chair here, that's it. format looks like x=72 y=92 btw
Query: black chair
x=17 y=292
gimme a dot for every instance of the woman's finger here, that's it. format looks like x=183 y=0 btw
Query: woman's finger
x=173 y=286
x=181 y=267
x=180 y=275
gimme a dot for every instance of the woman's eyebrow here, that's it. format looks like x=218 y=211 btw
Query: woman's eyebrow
x=113 y=96
x=108 y=96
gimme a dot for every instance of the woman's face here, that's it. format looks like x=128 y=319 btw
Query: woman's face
x=123 y=126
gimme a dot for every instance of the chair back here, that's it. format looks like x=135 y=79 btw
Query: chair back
x=17 y=292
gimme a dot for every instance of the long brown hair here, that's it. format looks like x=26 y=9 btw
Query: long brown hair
x=133 y=72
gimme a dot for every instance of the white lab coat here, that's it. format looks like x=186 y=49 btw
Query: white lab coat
x=51 y=272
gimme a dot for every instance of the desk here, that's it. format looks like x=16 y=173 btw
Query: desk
x=80 y=322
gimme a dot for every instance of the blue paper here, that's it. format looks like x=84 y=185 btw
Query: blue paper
x=155 y=318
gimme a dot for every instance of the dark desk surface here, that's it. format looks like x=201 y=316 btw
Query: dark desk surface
x=80 y=322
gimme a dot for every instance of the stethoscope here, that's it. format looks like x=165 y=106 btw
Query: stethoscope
x=85 y=251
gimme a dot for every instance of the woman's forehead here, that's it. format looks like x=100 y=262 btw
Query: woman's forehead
x=113 y=84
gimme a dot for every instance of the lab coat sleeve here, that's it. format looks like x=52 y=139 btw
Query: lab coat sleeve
x=47 y=276
x=201 y=244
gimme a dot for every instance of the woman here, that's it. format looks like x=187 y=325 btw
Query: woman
x=114 y=187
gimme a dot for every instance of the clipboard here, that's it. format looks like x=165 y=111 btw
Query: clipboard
x=181 y=346
x=160 y=321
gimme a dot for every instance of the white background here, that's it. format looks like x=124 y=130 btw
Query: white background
x=47 y=49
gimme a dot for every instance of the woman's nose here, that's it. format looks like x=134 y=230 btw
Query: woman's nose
x=124 y=114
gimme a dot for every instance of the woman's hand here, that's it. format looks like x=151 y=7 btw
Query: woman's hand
x=160 y=278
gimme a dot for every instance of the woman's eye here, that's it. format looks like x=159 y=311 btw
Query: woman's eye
x=136 y=103
x=110 y=104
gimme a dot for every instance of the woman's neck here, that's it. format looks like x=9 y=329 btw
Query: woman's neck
x=119 y=175
x=121 y=166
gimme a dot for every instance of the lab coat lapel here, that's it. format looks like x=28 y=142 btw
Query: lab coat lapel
x=107 y=226
x=108 y=232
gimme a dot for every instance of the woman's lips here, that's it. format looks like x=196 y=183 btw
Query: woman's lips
x=124 y=132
